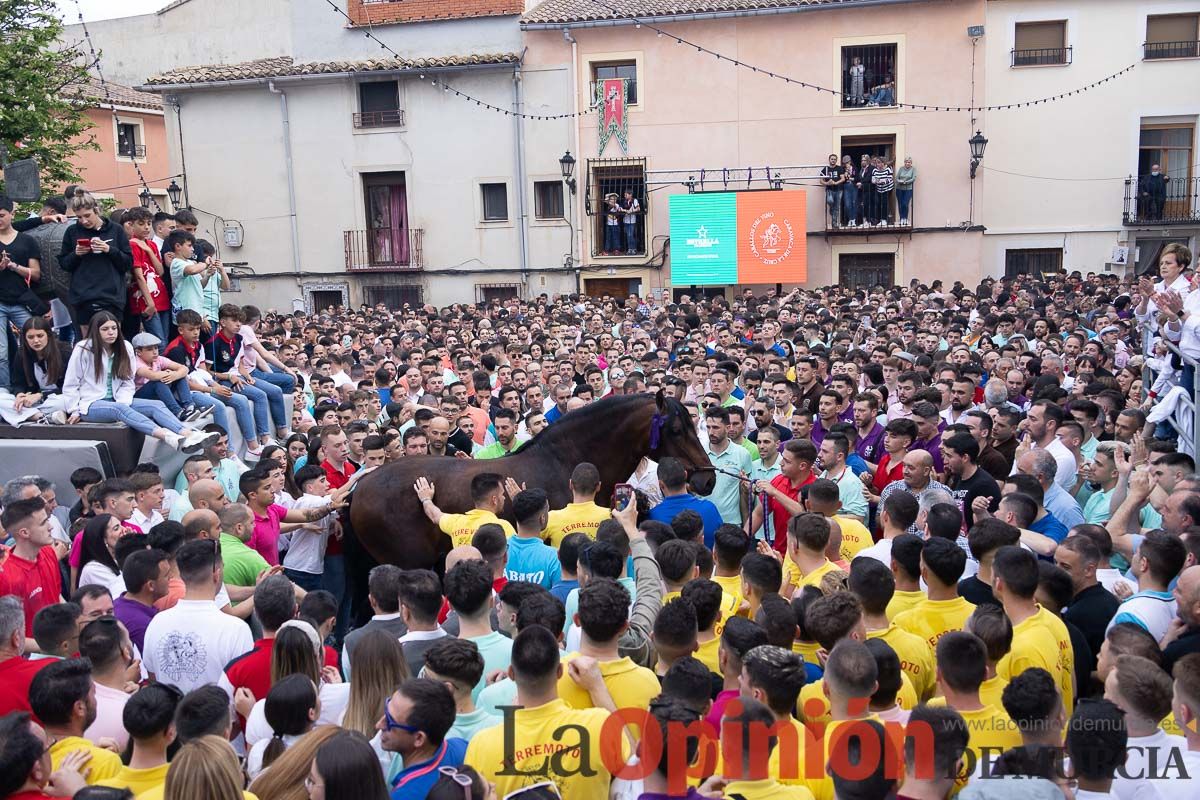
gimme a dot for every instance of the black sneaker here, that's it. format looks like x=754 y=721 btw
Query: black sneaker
x=186 y=412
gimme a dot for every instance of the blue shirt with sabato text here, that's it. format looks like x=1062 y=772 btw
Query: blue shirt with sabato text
x=671 y=506
x=532 y=561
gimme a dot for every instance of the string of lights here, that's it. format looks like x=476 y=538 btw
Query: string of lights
x=679 y=40
x=112 y=106
x=447 y=88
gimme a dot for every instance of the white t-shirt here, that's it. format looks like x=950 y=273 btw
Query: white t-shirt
x=110 y=705
x=306 y=551
x=334 y=699
x=1147 y=759
x=94 y=572
x=1179 y=788
x=189 y=645
x=254 y=758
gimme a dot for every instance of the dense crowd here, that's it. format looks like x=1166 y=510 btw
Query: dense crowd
x=951 y=548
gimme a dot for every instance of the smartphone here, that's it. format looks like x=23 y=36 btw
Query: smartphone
x=622 y=494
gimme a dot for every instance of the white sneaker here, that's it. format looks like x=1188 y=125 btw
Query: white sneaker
x=58 y=418
x=903 y=222
x=197 y=440
x=173 y=440
x=253 y=453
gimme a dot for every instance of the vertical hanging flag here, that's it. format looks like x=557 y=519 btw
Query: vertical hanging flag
x=610 y=100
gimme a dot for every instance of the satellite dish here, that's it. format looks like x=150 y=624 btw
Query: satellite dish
x=22 y=183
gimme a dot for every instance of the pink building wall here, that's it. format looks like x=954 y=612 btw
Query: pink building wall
x=101 y=170
x=697 y=111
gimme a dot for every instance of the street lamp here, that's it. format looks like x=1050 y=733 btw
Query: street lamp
x=144 y=197
x=173 y=192
x=567 y=165
x=978 y=144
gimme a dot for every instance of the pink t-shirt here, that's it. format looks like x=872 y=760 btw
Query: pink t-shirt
x=266 y=533
x=161 y=362
x=249 y=355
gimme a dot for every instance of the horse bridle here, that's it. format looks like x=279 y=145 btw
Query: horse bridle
x=658 y=422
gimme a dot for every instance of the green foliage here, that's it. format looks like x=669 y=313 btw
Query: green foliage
x=37 y=73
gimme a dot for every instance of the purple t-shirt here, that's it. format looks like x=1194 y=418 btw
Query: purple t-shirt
x=134 y=616
x=870 y=447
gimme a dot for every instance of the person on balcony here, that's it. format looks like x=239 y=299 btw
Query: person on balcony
x=906 y=176
x=884 y=182
x=631 y=208
x=1152 y=193
x=866 y=192
x=833 y=179
x=850 y=191
x=884 y=94
x=612 y=225
x=857 y=70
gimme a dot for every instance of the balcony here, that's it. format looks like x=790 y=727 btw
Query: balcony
x=384 y=249
x=1153 y=51
x=1179 y=206
x=1042 y=57
x=379 y=119
x=131 y=150
x=883 y=217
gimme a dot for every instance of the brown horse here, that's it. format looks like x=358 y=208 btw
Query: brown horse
x=614 y=434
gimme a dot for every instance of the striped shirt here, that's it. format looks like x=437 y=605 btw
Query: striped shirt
x=882 y=178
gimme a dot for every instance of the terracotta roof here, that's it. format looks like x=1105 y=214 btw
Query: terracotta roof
x=284 y=66
x=92 y=92
x=564 y=11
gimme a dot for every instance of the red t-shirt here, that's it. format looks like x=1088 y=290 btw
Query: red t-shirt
x=37 y=583
x=779 y=514
x=15 y=676
x=35 y=795
x=253 y=669
x=337 y=479
x=137 y=302
x=885 y=473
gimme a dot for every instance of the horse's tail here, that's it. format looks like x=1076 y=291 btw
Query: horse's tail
x=358 y=565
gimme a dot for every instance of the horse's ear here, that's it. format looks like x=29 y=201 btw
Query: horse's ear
x=659 y=400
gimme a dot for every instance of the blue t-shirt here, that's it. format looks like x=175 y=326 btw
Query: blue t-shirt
x=856 y=463
x=671 y=506
x=1050 y=526
x=534 y=561
x=415 y=781
x=562 y=589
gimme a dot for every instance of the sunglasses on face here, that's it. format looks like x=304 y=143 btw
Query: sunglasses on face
x=390 y=723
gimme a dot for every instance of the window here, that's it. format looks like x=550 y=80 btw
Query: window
x=1040 y=44
x=1033 y=261
x=866 y=270
x=548 y=200
x=495 y=201
x=378 y=105
x=1168 y=146
x=498 y=292
x=608 y=181
x=619 y=69
x=869 y=75
x=393 y=297
x=129 y=143
x=1172 y=36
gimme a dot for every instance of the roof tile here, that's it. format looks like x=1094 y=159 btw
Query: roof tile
x=92 y=92
x=563 y=11
x=285 y=66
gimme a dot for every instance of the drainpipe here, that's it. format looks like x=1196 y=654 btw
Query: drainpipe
x=576 y=199
x=519 y=146
x=291 y=178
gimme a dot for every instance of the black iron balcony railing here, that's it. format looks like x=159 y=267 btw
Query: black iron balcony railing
x=869 y=76
x=1185 y=49
x=379 y=119
x=131 y=150
x=1150 y=200
x=384 y=249
x=1042 y=57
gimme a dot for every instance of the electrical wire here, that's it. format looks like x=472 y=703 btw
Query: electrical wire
x=1068 y=180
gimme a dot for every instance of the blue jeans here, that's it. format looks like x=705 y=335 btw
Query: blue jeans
x=172 y=395
x=135 y=415
x=883 y=97
x=274 y=395
x=158 y=325
x=252 y=403
x=631 y=243
x=612 y=238
x=281 y=379
x=904 y=199
x=333 y=580
x=850 y=202
x=15 y=315
x=833 y=201
x=218 y=405
x=305 y=580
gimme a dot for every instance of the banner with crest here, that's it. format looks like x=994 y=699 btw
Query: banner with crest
x=610 y=100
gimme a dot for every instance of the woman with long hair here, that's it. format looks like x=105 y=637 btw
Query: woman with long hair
x=291 y=709
x=289 y=491
x=97 y=548
x=99 y=388
x=297 y=650
x=297 y=446
x=286 y=778
x=461 y=783
x=96 y=253
x=379 y=667
x=34 y=392
x=206 y=767
x=345 y=769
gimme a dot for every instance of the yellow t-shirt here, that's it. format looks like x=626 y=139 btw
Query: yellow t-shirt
x=808 y=650
x=991 y=693
x=461 y=527
x=792 y=574
x=537 y=743
x=138 y=781
x=766 y=789
x=932 y=619
x=104 y=764
x=1066 y=654
x=855 y=537
x=903 y=601
x=706 y=654
x=631 y=686
x=814 y=705
x=795 y=772
x=585 y=517
x=1034 y=645
x=823 y=789
x=990 y=728
x=731 y=585
x=916 y=659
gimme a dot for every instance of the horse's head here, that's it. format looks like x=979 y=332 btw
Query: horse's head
x=673 y=434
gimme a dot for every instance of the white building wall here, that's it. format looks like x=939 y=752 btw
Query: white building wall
x=1094 y=134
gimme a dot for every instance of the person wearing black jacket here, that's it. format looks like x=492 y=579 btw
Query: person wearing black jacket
x=100 y=267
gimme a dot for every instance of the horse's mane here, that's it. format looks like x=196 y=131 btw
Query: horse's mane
x=569 y=427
